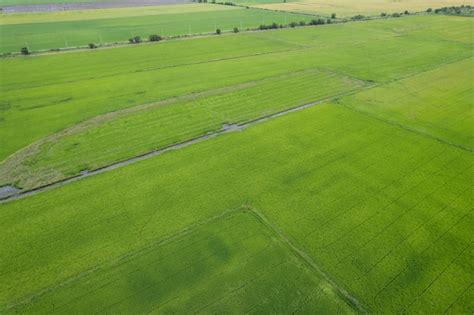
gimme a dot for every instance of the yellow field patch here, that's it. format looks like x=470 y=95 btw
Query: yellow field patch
x=344 y=8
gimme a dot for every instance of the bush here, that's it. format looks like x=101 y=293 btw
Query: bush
x=429 y=10
x=302 y=23
x=333 y=16
x=383 y=14
x=406 y=12
x=357 y=17
x=274 y=25
x=92 y=46
x=154 y=38
x=396 y=14
x=135 y=40
x=293 y=24
x=218 y=31
x=25 y=51
x=236 y=30
x=328 y=21
x=317 y=22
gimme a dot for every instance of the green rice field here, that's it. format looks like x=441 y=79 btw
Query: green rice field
x=332 y=175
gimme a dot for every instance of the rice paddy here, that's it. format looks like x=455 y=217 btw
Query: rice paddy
x=360 y=201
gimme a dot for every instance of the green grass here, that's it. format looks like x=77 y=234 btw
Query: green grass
x=61 y=34
x=231 y=264
x=99 y=82
x=374 y=205
x=437 y=102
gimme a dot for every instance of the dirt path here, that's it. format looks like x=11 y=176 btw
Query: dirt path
x=51 y=7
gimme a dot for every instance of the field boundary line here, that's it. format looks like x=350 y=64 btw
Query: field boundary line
x=175 y=146
x=341 y=292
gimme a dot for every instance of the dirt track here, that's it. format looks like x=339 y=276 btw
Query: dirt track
x=88 y=5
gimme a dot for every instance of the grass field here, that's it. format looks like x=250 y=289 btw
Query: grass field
x=360 y=203
x=233 y=254
x=104 y=29
x=291 y=176
x=349 y=8
x=249 y=57
x=437 y=102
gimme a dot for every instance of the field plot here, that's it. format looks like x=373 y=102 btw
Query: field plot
x=438 y=103
x=214 y=78
x=129 y=133
x=231 y=264
x=349 y=8
x=73 y=33
x=393 y=187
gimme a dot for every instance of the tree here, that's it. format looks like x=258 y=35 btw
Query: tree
x=154 y=38
x=92 y=45
x=25 y=51
x=333 y=16
x=236 y=30
x=396 y=14
x=406 y=12
x=218 y=31
x=302 y=23
x=293 y=24
x=429 y=10
x=383 y=14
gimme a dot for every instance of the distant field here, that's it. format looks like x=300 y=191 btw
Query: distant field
x=98 y=29
x=83 y=15
x=347 y=8
x=255 y=88
x=28 y=2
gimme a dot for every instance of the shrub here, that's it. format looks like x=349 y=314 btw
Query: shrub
x=328 y=21
x=25 y=51
x=396 y=14
x=236 y=30
x=274 y=25
x=154 y=38
x=429 y=10
x=92 y=46
x=333 y=16
x=302 y=23
x=383 y=14
x=293 y=24
x=406 y=12
x=135 y=40
x=357 y=17
x=316 y=22
x=218 y=31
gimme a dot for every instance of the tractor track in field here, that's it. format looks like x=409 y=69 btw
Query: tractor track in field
x=346 y=296
x=224 y=130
